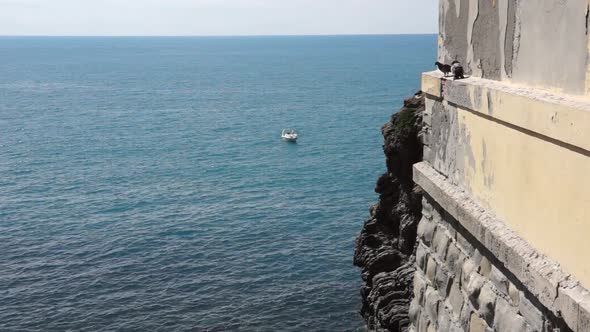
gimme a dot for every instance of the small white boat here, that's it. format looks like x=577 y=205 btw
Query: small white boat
x=289 y=135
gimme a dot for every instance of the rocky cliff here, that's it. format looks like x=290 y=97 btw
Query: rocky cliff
x=385 y=247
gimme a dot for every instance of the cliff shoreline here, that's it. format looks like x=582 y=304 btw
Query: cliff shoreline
x=386 y=245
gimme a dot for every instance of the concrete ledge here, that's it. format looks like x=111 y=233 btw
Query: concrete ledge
x=561 y=117
x=555 y=289
x=431 y=83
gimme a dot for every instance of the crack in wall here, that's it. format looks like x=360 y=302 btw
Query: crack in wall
x=587 y=14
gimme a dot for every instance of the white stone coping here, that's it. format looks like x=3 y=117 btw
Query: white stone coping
x=556 y=289
x=561 y=117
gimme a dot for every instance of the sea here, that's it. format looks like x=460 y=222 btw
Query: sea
x=144 y=185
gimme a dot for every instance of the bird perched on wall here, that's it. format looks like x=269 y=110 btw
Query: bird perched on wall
x=444 y=68
x=457 y=70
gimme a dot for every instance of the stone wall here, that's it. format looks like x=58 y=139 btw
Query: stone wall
x=460 y=286
x=520 y=153
x=502 y=241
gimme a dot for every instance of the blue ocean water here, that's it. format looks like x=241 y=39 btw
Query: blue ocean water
x=143 y=184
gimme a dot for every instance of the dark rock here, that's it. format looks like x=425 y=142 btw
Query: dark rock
x=385 y=247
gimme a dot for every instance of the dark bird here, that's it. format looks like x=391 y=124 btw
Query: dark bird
x=457 y=70
x=444 y=68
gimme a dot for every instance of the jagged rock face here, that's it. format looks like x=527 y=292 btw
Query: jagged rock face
x=385 y=247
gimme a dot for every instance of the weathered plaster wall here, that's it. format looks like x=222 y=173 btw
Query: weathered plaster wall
x=531 y=170
x=502 y=244
x=552 y=44
x=539 y=43
x=522 y=156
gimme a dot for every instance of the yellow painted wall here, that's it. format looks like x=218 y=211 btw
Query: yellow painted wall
x=540 y=189
x=531 y=167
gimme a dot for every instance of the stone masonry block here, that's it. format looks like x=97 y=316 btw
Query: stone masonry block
x=444 y=319
x=423 y=227
x=499 y=280
x=464 y=244
x=454 y=254
x=423 y=322
x=425 y=136
x=487 y=303
x=433 y=301
x=477 y=324
x=467 y=271
x=584 y=316
x=465 y=316
x=506 y=318
x=447 y=217
x=419 y=287
x=477 y=257
x=431 y=269
x=485 y=267
x=515 y=261
x=427 y=208
x=437 y=214
x=455 y=328
x=431 y=328
x=426 y=230
x=442 y=281
x=456 y=300
x=421 y=256
x=474 y=288
x=414 y=311
x=514 y=294
x=428 y=154
x=541 y=281
x=441 y=243
x=531 y=314
x=568 y=303
x=455 y=260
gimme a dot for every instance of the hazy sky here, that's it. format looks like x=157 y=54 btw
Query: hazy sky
x=216 y=17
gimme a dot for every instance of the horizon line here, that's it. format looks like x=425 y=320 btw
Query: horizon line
x=217 y=36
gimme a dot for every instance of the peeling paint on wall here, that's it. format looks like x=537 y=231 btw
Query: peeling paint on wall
x=486 y=31
x=509 y=38
x=542 y=43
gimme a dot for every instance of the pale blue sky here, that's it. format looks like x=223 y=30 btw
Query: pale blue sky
x=216 y=17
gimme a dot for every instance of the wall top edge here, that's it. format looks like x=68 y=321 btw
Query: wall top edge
x=560 y=117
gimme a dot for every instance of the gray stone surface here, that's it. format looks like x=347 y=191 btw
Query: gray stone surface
x=514 y=294
x=423 y=323
x=442 y=281
x=456 y=299
x=499 y=39
x=415 y=311
x=530 y=274
x=533 y=316
x=426 y=230
x=421 y=256
x=468 y=270
x=441 y=242
x=444 y=320
x=487 y=304
x=454 y=256
x=419 y=287
x=584 y=316
x=465 y=244
x=477 y=324
x=432 y=303
x=499 y=280
x=485 y=267
x=476 y=282
x=506 y=318
x=431 y=269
